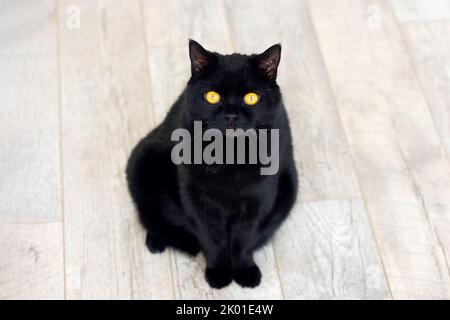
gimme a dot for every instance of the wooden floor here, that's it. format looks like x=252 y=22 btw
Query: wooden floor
x=367 y=85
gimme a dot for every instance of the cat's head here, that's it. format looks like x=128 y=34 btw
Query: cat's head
x=233 y=91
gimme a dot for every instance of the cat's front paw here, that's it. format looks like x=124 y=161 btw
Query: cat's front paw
x=247 y=277
x=218 y=277
x=155 y=244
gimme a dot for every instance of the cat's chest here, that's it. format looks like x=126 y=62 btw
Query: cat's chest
x=239 y=196
x=229 y=192
x=231 y=203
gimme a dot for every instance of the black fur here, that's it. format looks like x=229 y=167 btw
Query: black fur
x=225 y=211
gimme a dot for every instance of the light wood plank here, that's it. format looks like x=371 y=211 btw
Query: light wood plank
x=402 y=169
x=428 y=44
x=31 y=250
x=31 y=264
x=169 y=71
x=204 y=21
x=106 y=110
x=310 y=264
x=29 y=123
x=334 y=257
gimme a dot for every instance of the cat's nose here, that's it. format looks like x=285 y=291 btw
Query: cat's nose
x=231 y=116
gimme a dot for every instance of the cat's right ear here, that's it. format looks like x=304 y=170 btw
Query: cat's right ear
x=201 y=59
x=267 y=62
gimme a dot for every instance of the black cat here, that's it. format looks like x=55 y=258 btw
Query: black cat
x=227 y=211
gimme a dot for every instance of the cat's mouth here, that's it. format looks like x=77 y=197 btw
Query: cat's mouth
x=237 y=132
x=231 y=128
x=231 y=124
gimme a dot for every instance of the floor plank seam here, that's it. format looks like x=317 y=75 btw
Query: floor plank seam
x=146 y=48
x=283 y=295
x=61 y=142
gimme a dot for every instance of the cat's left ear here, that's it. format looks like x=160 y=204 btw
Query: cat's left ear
x=201 y=59
x=267 y=62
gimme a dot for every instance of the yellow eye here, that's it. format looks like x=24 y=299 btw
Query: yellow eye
x=212 y=97
x=251 y=98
